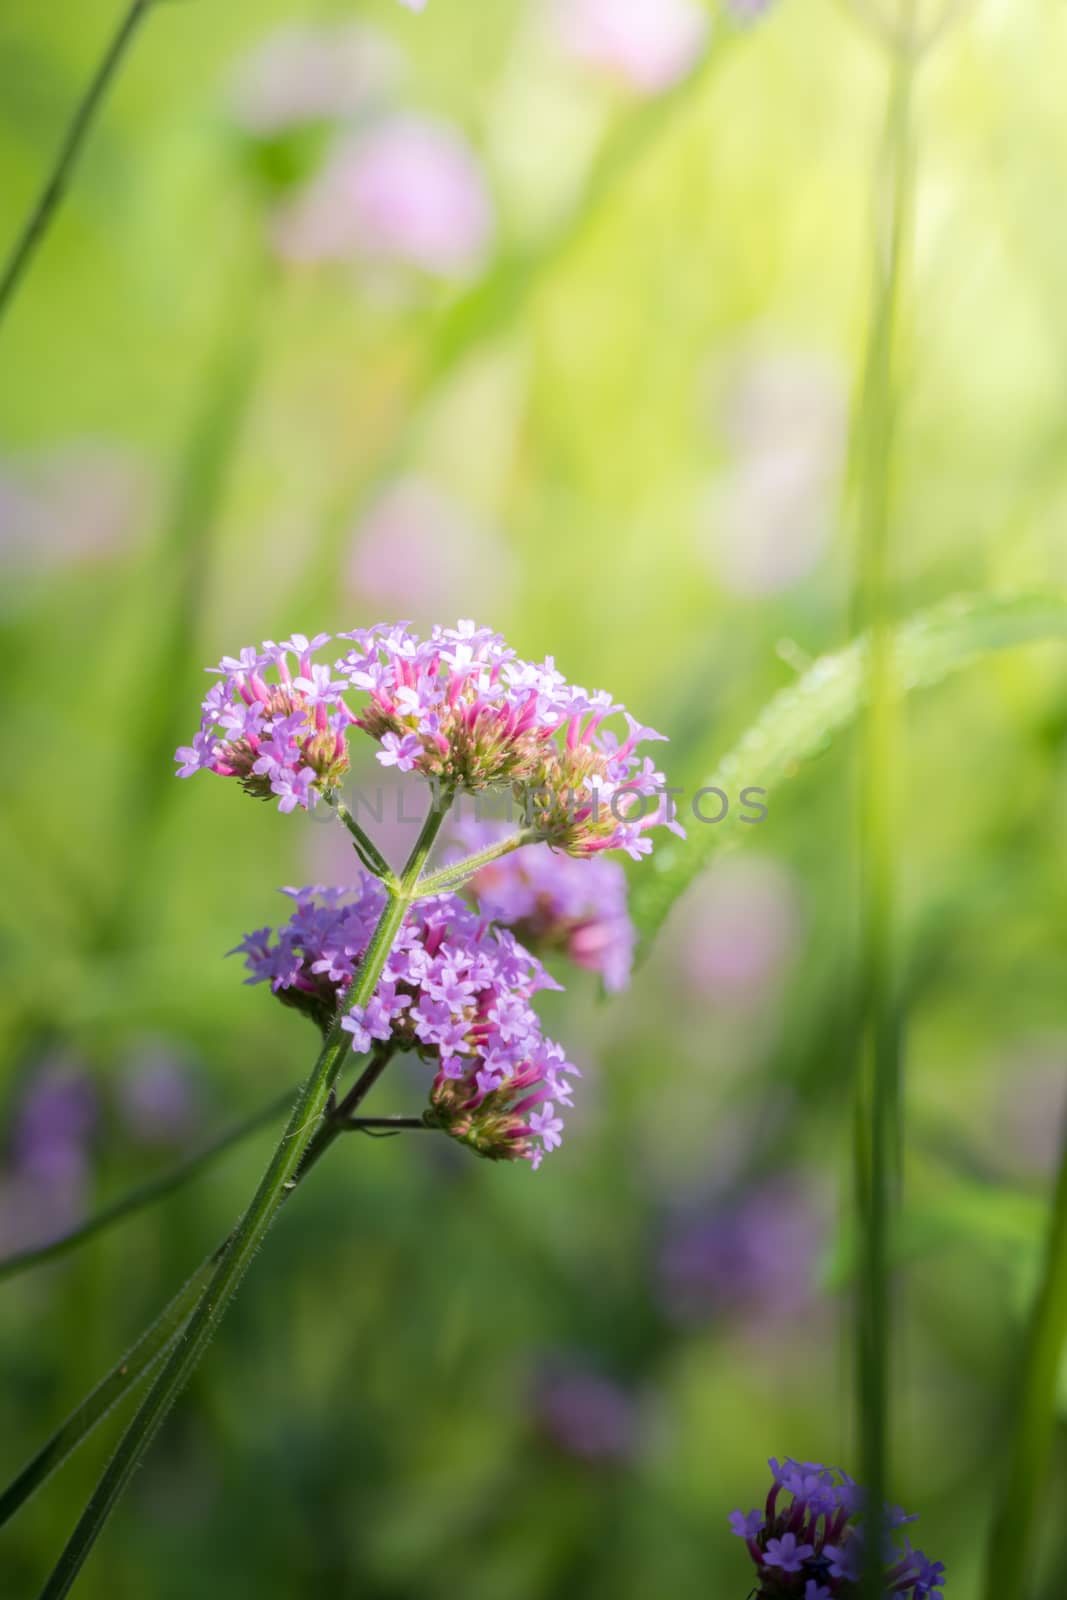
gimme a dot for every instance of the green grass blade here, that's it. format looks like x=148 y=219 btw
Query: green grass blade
x=800 y=722
x=1011 y=1546
x=124 y=1376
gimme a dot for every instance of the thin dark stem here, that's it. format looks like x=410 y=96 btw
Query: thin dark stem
x=44 y=209
x=147 y=1193
x=365 y=847
x=391 y=1124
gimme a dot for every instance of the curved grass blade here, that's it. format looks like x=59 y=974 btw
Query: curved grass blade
x=800 y=722
x=45 y=207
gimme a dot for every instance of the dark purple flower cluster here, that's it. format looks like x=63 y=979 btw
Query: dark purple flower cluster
x=555 y=902
x=812 y=1548
x=455 y=990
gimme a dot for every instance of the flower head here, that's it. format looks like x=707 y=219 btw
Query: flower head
x=483 y=718
x=454 y=990
x=811 y=1547
x=407 y=192
x=555 y=902
x=276 y=721
x=647 y=44
x=311 y=73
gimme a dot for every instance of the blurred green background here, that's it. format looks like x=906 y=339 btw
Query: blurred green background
x=613 y=422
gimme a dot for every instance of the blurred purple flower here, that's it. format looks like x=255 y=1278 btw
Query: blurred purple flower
x=770 y=517
x=43 y=1190
x=740 y=926
x=407 y=192
x=1032 y=1114
x=78 y=502
x=583 y=1413
x=305 y=73
x=646 y=44
x=553 y=901
x=157 y=1096
x=748 y=10
x=54 y=1122
x=419 y=551
x=749 y=1257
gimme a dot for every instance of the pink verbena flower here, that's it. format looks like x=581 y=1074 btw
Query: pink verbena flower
x=463 y=710
x=648 y=44
x=455 y=991
x=277 y=732
x=408 y=191
x=555 y=902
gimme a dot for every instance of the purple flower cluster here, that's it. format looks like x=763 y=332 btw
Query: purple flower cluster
x=279 y=735
x=812 y=1548
x=463 y=710
x=459 y=708
x=455 y=990
x=555 y=902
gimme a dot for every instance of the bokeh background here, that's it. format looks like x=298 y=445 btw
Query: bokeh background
x=506 y=311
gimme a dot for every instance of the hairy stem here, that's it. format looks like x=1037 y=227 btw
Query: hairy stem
x=158 y=1338
x=453 y=876
x=44 y=208
x=292 y=1157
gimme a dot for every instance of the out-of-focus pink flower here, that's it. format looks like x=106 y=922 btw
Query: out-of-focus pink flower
x=307 y=73
x=45 y=1178
x=80 y=502
x=647 y=44
x=408 y=192
x=770 y=517
x=740 y=926
x=750 y=1257
x=584 y=1413
x=1032 y=1114
x=420 y=552
x=157 y=1095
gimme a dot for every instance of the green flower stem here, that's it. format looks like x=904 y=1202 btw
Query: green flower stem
x=878 y=1096
x=157 y=1339
x=279 y=1179
x=1011 y=1548
x=44 y=208
x=453 y=876
x=146 y=1194
x=366 y=849
x=124 y=1376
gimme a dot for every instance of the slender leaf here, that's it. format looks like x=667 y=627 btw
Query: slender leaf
x=125 y=1375
x=801 y=722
